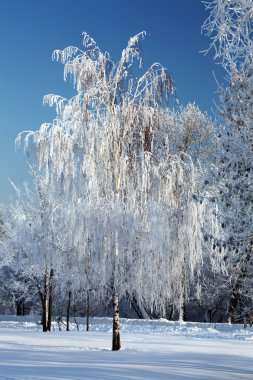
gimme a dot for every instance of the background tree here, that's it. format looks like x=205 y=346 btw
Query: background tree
x=35 y=241
x=230 y=29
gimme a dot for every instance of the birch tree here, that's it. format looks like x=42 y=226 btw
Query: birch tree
x=34 y=242
x=108 y=150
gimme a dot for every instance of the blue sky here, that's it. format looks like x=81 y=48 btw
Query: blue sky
x=30 y=30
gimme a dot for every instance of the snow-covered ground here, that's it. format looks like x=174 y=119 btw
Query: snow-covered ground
x=150 y=350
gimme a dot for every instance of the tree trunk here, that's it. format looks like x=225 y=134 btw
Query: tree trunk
x=138 y=307
x=88 y=311
x=19 y=308
x=169 y=311
x=50 y=300
x=182 y=312
x=45 y=302
x=44 y=313
x=183 y=295
x=46 y=299
x=234 y=302
x=75 y=319
x=68 y=311
x=116 y=332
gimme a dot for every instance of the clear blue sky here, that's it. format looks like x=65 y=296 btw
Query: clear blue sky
x=31 y=29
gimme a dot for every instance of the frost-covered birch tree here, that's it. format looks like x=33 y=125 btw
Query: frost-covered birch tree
x=230 y=27
x=108 y=150
x=36 y=242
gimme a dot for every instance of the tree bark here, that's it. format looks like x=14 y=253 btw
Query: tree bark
x=75 y=319
x=138 y=307
x=182 y=313
x=88 y=311
x=41 y=296
x=182 y=308
x=46 y=297
x=19 y=308
x=116 y=331
x=44 y=314
x=68 y=311
x=50 y=300
x=45 y=302
x=234 y=302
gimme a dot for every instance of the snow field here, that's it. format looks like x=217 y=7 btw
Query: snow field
x=150 y=350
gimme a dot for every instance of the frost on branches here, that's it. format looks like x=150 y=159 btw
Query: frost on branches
x=116 y=165
x=230 y=27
